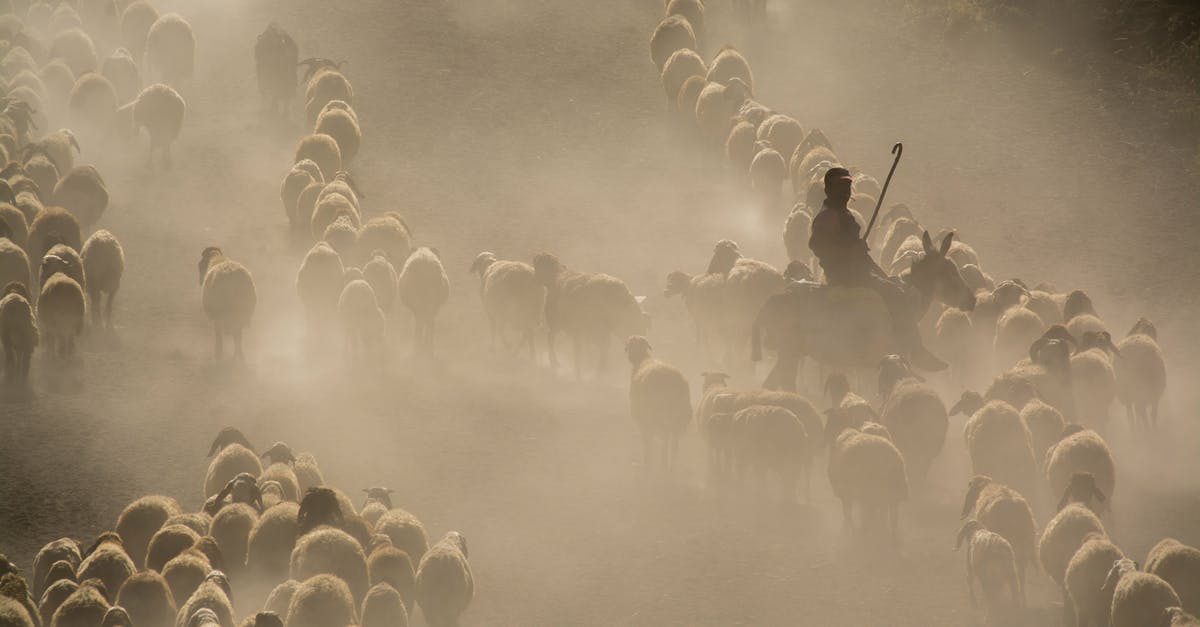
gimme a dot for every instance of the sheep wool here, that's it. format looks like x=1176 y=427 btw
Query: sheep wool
x=160 y=110
x=659 y=400
x=383 y=607
x=321 y=601
x=228 y=295
x=103 y=266
x=445 y=586
x=171 y=48
x=423 y=288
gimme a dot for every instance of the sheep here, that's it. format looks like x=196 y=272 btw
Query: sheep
x=168 y=542
x=60 y=314
x=53 y=598
x=977 y=280
x=1085 y=576
x=390 y=565
x=796 y=231
x=1081 y=451
x=328 y=210
x=17 y=58
x=659 y=400
x=64 y=259
x=1179 y=565
x=341 y=233
x=136 y=20
x=998 y=441
x=271 y=541
x=82 y=192
x=1138 y=598
x=302 y=174
x=18 y=332
x=383 y=607
x=184 y=573
x=730 y=64
x=170 y=48
x=61 y=550
x=688 y=97
x=1093 y=378
x=103 y=264
x=321 y=601
x=1141 y=375
x=74 y=47
x=917 y=419
x=214 y=595
x=771 y=438
x=42 y=171
x=342 y=125
x=784 y=134
x=423 y=288
x=673 y=33
x=1176 y=617
x=93 y=103
x=1003 y=510
x=363 y=321
x=1016 y=329
x=954 y=339
x=275 y=60
x=160 y=110
x=122 y=71
x=512 y=298
x=107 y=561
x=281 y=596
x=332 y=551
x=807 y=170
x=378 y=501
x=319 y=283
x=405 y=531
x=692 y=10
x=148 y=599
x=767 y=173
x=445 y=586
x=140 y=520
x=1062 y=536
x=28 y=203
x=741 y=146
x=324 y=84
x=323 y=150
x=1045 y=425
x=678 y=68
x=867 y=470
x=1077 y=303
x=716 y=106
x=13 y=587
x=1083 y=323
x=59 y=571
x=229 y=297
x=704 y=297
x=14 y=614
x=851 y=408
x=84 y=608
x=231 y=529
x=989 y=560
x=749 y=284
x=14 y=227
x=388 y=233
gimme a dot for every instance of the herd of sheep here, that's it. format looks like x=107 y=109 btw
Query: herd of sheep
x=293 y=550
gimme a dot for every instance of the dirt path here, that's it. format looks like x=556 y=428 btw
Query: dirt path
x=525 y=125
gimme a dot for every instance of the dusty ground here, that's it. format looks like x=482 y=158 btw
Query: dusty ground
x=525 y=125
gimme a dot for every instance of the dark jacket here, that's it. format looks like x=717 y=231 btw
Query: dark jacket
x=836 y=243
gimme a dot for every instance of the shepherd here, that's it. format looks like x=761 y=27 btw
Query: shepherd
x=845 y=258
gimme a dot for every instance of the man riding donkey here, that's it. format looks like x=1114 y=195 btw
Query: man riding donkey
x=843 y=255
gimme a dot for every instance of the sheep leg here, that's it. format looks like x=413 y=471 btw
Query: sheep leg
x=167 y=157
x=429 y=333
x=1154 y=414
x=550 y=348
x=647 y=451
x=806 y=468
x=674 y=451
x=970 y=578
x=575 y=342
x=218 y=345
x=847 y=514
x=94 y=299
x=108 y=305
x=894 y=519
x=237 y=345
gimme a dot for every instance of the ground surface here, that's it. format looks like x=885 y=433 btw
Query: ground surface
x=525 y=125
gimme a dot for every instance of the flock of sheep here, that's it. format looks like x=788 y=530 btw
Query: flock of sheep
x=273 y=531
x=1034 y=437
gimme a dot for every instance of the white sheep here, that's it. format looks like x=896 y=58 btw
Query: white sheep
x=60 y=314
x=730 y=64
x=693 y=10
x=1003 y=510
x=321 y=601
x=327 y=550
x=677 y=69
x=405 y=531
x=1062 y=536
x=741 y=146
x=1179 y=565
x=171 y=48
x=302 y=174
x=103 y=265
x=1081 y=451
x=324 y=84
x=214 y=595
x=796 y=231
x=998 y=442
x=231 y=529
x=319 y=284
x=917 y=420
x=18 y=332
x=383 y=607
x=107 y=561
x=1138 y=599
x=768 y=171
x=704 y=297
x=93 y=104
x=1085 y=577
x=867 y=470
x=382 y=275
x=423 y=288
x=167 y=543
x=784 y=134
x=512 y=298
x=388 y=233
x=160 y=110
x=769 y=438
x=140 y=520
x=1045 y=425
x=229 y=297
x=271 y=540
x=716 y=106
x=323 y=150
x=362 y=320
x=338 y=121
x=659 y=400
x=1141 y=374
x=85 y=606
x=445 y=586
x=673 y=33
x=75 y=47
x=990 y=561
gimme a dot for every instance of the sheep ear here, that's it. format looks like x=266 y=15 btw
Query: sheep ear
x=1114 y=574
x=1066 y=498
x=972 y=496
x=962 y=535
x=1098 y=494
x=639 y=299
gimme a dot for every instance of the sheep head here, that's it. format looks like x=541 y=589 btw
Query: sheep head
x=969 y=403
x=713 y=380
x=482 y=262
x=279 y=453
x=457 y=540
x=1119 y=569
x=221 y=581
x=837 y=386
x=678 y=282
x=637 y=349
x=227 y=436
x=725 y=254
x=319 y=507
x=1054 y=332
x=974 y=487
x=967 y=531
x=1143 y=326
x=1055 y=355
x=798 y=271
x=209 y=257
x=546 y=268
x=1099 y=339
x=381 y=495
x=1081 y=489
x=267 y=619
x=116 y=616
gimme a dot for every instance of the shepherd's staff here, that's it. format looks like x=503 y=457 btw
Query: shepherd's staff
x=897 y=150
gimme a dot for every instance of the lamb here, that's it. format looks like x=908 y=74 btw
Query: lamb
x=770 y=438
x=1138 y=599
x=275 y=60
x=229 y=297
x=84 y=608
x=917 y=419
x=998 y=441
x=867 y=470
x=331 y=551
x=340 y=123
x=1080 y=451
x=362 y=319
x=1141 y=374
x=445 y=586
x=1085 y=576
x=321 y=601
x=659 y=399
x=1062 y=536
x=136 y=20
x=1003 y=510
x=160 y=110
x=671 y=34
x=271 y=540
x=74 y=47
x=60 y=314
x=82 y=192
x=147 y=599
x=1045 y=425
x=796 y=231
x=681 y=65
x=405 y=531
x=423 y=287
x=18 y=331
x=121 y=70
x=140 y=520
x=214 y=595
x=319 y=284
x=231 y=529
x=990 y=560
x=171 y=48
x=730 y=64
x=704 y=297
x=512 y=298
x=323 y=150
x=1179 y=565
x=103 y=265
x=107 y=561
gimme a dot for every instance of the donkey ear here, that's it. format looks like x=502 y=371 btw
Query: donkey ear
x=946 y=241
x=927 y=243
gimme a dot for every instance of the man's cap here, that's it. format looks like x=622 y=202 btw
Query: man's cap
x=837 y=174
